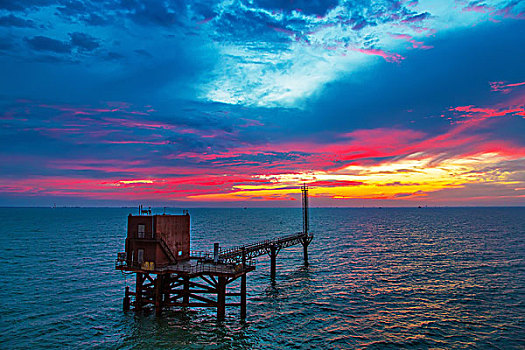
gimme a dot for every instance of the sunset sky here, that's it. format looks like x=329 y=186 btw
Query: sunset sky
x=237 y=103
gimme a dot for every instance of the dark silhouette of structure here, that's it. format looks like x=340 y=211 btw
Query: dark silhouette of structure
x=169 y=274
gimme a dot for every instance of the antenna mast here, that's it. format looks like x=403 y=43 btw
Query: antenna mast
x=304 y=190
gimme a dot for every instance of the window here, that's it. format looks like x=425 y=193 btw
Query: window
x=141 y=231
x=140 y=256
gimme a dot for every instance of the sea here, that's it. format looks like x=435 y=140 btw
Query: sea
x=378 y=278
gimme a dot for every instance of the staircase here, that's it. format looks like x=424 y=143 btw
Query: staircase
x=167 y=250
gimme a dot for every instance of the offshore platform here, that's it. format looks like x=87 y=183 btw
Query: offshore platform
x=169 y=274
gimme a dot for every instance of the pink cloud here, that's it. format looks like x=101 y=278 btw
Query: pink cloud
x=137 y=142
x=250 y=122
x=477 y=113
x=415 y=44
x=389 y=57
x=160 y=189
x=507 y=12
x=480 y=8
x=220 y=172
x=401 y=36
x=334 y=183
x=113 y=107
x=504 y=87
x=195 y=181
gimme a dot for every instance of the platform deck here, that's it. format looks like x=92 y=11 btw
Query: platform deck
x=194 y=267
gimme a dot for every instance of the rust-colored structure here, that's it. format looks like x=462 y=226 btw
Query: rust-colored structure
x=169 y=274
x=158 y=239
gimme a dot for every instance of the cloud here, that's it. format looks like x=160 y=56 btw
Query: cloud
x=157 y=158
x=494 y=8
x=409 y=194
x=96 y=19
x=479 y=194
x=334 y=183
x=398 y=183
x=113 y=56
x=24 y=5
x=90 y=13
x=415 y=43
x=311 y=48
x=308 y=7
x=504 y=87
x=70 y=8
x=295 y=49
x=83 y=41
x=14 y=21
x=155 y=12
x=416 y=18
x=244 y=100
x=389 y=57
x=43 y=43
x=480 y=113
x=316 y=49
x=477 y=7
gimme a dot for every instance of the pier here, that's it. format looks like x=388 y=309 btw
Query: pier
x=168 y=274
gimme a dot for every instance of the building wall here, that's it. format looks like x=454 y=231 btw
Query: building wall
x=175 y=231
x=149 y=247
x=147 y=243
x=135 y=221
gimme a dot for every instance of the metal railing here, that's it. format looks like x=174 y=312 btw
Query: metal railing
x=201 y=266
x=200 y=254
x=260 y=248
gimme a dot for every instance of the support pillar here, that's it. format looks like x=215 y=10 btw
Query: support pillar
x=305 y=251
x=186 y=295
x=221 y=298
x=158 y=294
x=243 y=296
x=243 y=285
x=273 y=256
x=167 y=289
x=138 y=291
x=126 y=302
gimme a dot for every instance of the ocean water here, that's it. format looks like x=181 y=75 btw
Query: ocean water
x=431 y=278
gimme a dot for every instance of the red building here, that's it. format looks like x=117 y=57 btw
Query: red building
x=157 y=240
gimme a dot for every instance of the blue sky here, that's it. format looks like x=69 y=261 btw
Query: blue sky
x=393 y=103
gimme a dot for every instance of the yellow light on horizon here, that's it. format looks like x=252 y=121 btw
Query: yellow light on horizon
x=412 y=176
x=129 y=182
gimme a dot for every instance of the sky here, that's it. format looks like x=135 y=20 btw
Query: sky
x=238 y=102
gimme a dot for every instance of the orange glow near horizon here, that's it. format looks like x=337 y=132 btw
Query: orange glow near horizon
x=409 y=178
x=461 y=164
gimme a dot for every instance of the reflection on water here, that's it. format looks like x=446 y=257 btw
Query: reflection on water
x=378 y=278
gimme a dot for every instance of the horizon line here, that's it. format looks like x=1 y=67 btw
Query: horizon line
x=251 y=207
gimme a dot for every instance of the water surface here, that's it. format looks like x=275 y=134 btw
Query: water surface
x=378 y=279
